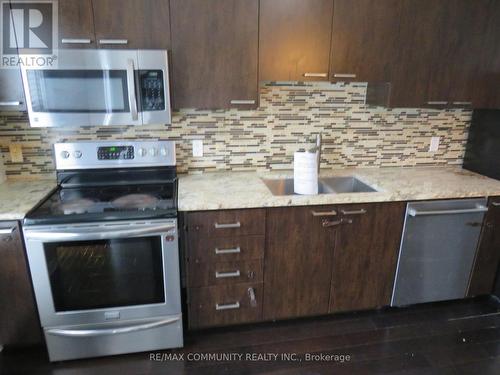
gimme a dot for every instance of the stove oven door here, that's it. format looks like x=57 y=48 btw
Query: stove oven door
x=103 y=273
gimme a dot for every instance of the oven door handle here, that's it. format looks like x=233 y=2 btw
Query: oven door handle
x=109 y=331
x=94 y=233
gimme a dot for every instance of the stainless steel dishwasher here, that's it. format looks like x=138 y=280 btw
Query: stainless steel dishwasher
x=437 y=250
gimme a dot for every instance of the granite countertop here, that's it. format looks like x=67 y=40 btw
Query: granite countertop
x=18 y=197
x=228 y=190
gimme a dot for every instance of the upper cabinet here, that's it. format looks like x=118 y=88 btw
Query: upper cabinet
x=76 y=24
x=132 y=23
x=486 y=92
x=438 y=54
x=294 y=39
x=365 y=40
x=114 y=24
x=214 y=53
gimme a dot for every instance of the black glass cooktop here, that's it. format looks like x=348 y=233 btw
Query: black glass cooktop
x=81 y=198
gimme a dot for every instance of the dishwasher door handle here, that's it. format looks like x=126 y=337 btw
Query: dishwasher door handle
x=479 y=208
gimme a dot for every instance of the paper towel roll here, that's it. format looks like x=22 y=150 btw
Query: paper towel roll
x=305 y=173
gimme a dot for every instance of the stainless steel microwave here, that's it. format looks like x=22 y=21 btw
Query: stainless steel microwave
x=99 y=87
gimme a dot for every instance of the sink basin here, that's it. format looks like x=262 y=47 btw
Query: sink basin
x=328 y=185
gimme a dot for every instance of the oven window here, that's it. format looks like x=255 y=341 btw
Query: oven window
x=105 y=273
x=78 y=91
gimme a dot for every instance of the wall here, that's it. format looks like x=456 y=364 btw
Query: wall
x=289 y=115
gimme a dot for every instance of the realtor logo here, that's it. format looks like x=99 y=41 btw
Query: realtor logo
x=29 y=28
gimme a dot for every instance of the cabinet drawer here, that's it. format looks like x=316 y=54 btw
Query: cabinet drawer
x=206 y=274
x=225 y=249
x=227 y=223
x=224 y=305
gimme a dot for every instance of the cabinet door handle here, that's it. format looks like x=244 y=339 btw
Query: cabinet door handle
x=355 y=212
x=462 y=103
x=495 y=204
x=227 y=306
x=437 y=103
x=6 y=231
x=235 y=250
x=324 y=213
x=10 y=104
x=344 y=75
x=113 y=41
x=242 y=102
x=75 y=41
x=227 y=226
x=316 y=75
x=222 y=275
x=251 y=295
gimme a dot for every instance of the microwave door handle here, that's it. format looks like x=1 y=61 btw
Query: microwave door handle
x=132 y=101
x=94 y=233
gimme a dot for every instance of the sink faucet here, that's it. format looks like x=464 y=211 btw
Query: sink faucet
x=317 y=149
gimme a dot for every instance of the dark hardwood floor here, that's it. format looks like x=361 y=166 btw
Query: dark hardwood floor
x=461 y=337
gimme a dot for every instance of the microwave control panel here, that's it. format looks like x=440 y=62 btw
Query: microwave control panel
x=152 y=90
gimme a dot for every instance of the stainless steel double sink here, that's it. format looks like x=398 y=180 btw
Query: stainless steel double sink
x=326 y=185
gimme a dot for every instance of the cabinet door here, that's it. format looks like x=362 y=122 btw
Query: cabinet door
x=298 y=261
x=488 y=253
x=294 y=39
x=11 y=92
x=365 y=39
x=364 y=260
x=19 y=324
x=132 y=23
x=76 y=24
x=486 y=93
x=214 y=53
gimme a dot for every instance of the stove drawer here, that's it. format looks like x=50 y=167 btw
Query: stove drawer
x=227 y=223
x=225 y=305
x=220 y=273
x=225 y=249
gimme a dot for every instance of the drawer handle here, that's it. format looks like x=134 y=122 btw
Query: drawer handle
x=7 y=231
x=344 y=75
x=235 y=250
x=437 y=103
x=227 y=306
x=10 y=104
x=462 y=103
x=251 y=295
x=316 y=75
x=222 y=275
x=324 y=213
x=242 y=102
x=496 y=204
x=227 y=226
x=355 y=212
x=113 y=41
x=75 y=41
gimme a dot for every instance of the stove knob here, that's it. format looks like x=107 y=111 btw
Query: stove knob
x=65 y=154
x=153 y=151
x=142 y=152
x=77 y=154
x=163 y=152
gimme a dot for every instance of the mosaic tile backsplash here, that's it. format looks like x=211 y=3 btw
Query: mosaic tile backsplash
x=289 y=116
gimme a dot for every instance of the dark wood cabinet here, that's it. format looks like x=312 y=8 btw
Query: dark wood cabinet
x=19 y=324
x=298 y=261
x=365 y=257
x=488 y=253
x=365 y=39
x=132 y=23
x=214 y=53
x=487 y=81
x=294 y=39
x=76 y=24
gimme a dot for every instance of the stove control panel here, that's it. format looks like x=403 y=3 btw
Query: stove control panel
x=113 y=154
